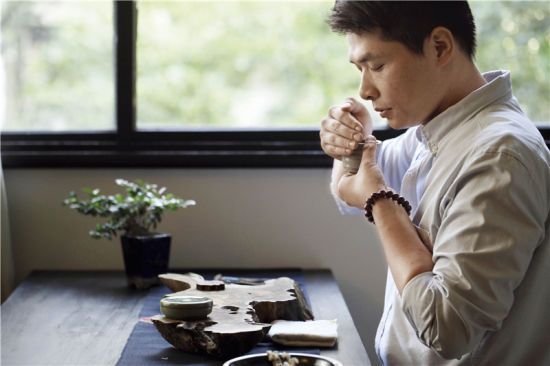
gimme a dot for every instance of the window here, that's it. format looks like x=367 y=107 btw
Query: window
x=58 y=66
x=221 y=68
x=219 y=84
x=515 y=36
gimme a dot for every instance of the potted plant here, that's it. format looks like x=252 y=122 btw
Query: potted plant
x=137 y=214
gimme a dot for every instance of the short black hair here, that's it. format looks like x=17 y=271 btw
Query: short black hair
x=408 y=22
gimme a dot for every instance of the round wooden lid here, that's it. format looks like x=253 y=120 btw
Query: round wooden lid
x=210 y=285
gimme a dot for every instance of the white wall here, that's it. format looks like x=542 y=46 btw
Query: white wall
x=249 y=218
x=7 y=270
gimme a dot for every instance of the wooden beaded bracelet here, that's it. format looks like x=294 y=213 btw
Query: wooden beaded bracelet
x=385 y=194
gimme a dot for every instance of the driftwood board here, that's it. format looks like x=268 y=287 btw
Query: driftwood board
x=240 y=317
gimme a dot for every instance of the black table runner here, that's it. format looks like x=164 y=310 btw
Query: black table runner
x=145 y=345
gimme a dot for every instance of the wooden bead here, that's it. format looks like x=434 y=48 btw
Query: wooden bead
x=385 y=194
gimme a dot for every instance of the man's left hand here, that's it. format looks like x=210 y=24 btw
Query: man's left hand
x=355 y=189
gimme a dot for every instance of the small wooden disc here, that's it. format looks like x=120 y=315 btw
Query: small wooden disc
x=210 y=285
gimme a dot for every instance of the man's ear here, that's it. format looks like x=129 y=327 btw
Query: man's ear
x=442 y=44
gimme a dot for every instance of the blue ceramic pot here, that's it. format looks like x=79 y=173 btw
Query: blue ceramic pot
x=145 y=257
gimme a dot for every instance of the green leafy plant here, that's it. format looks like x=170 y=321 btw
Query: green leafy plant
x=136 y=214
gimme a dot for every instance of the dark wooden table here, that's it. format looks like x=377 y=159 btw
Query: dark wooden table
x=85 y=318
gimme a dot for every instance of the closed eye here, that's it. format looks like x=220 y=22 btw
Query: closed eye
x=377 y=68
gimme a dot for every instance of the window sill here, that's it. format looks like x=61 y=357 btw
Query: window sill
x=198 y=149
x=204 y=149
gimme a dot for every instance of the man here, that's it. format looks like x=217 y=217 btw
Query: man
x=468 y=269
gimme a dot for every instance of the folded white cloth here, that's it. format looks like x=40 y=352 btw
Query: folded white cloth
x=320 y=333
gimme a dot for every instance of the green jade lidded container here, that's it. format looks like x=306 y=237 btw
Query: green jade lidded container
x=186 y=307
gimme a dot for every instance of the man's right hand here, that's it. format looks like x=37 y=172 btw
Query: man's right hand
x=343 y=127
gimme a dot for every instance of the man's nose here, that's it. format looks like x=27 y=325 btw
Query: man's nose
x=367 y=90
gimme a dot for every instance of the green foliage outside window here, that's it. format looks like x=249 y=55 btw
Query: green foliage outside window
x=57 y=61
x=207 y=64
x=238 y=64
x=276 y=64
x=515 y=36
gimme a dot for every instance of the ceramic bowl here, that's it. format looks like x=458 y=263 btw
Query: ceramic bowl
x=260 y=359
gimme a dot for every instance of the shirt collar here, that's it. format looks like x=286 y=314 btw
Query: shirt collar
x=498 y=86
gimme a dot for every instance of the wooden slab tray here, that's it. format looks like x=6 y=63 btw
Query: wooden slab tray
x=240 y=317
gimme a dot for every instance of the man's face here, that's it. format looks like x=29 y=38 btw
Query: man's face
x=402 y=85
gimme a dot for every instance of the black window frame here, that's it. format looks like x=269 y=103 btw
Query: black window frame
x=129 y=147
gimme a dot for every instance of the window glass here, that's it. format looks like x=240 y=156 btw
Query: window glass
x=56 y=66
x=263 y=64
x=239 y=64
x=515 y=36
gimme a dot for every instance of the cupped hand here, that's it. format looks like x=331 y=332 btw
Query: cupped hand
x=355 y=189
x=343 y=127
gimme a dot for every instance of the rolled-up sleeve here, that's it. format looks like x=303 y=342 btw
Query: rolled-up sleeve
x=491 y=224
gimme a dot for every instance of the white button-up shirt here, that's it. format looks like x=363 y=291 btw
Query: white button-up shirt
x=478 y=179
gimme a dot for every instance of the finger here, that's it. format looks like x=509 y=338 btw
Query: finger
x=343 y=115
x=340 y=141
x=330 y=126
x=369 y=150
x=336 y=145
x=359 y=111
x=333 y=144
x=336 y=152
x=352 y=105
x=347 y=107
